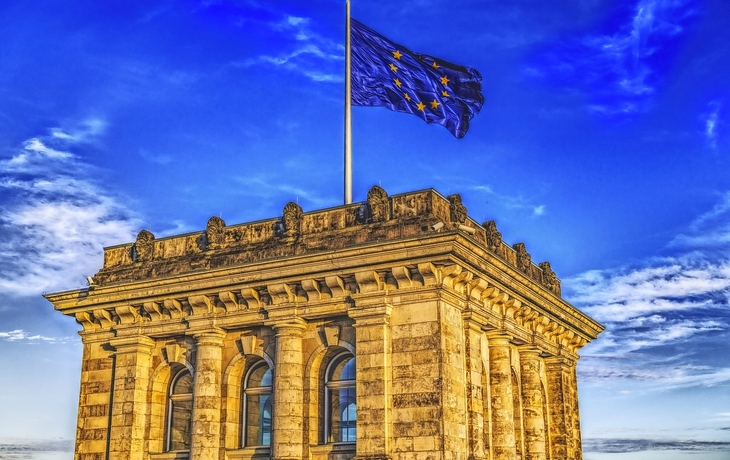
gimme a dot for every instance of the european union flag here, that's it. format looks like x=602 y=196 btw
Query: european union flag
x=389 y=75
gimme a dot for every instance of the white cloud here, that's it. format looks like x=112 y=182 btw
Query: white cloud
x=55 y=218
x=19 y=335
x=512 y=202
x=711 y=122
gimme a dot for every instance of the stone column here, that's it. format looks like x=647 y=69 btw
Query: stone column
x=288 y=442
x=532 y=403
x=475 y=393
x=560 y=401
x=500 y=381
x=129 y=406
x=577 y=443
x=206 y=437
x=373 y=384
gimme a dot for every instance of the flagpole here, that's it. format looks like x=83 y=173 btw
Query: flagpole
x=348 y=108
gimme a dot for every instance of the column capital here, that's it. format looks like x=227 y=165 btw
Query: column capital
x=212 y=336
x=371 y=314
x=529 y=350
x=497 y=337
x=562 y=361
x=137 y=343
x=289 y=327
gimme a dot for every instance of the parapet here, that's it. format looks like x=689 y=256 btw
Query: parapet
x=381 y=218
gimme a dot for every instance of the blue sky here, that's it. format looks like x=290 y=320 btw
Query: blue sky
x=603 y=144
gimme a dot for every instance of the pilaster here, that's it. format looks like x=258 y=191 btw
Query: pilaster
x=206 y=438
x=474 y=391
x=374 y=383
x=129 y=407
x=532 y=404
x=500 y=381
x=562 y=403
x=288 y=442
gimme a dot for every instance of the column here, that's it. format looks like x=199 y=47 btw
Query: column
x=533 y=419
x=288 y=442
x=500 y=382
x=206 y=436
x=577 y=443
x=475 y=393
x=129 y=406
x=559 y=370
x=373 y=385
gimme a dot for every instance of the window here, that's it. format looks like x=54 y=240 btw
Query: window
x=257 y=406
x=340 y=399
x=180 y=406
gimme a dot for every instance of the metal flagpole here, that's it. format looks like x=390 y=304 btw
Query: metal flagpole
x=348 y=109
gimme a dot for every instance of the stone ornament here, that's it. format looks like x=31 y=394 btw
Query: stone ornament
x=215 y=233
x=524 y=261
x=458 y=210
x=292 y=220
x=378 y=204
x=143 y=247
x=494 y=237
x=549 y=279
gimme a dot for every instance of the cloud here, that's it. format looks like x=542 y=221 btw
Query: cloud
x=661 y=316
x=21 y=336
x=512 y=202
x=711 y=124
x=622 y=445
x=620 y=68
x=55 y=218
x=310 y=54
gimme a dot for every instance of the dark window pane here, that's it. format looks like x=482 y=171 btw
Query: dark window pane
x=344 y=369
x=260 y=377
x=180 y=424
x=258 y=420
x=343 y=415
x=183 y=384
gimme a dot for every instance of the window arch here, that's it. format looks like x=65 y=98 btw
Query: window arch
x=180 y=411
x=257 y=406
x=340 y=399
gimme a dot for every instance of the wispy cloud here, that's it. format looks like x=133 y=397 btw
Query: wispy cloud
x=711 y=121
x=55 y=217
x=613 y=445
x=620 y=68
x=310 y=54
x=512 y=202
x=21 y=336
x=661 y=315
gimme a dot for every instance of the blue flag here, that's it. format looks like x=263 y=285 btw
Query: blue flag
x=385 y=74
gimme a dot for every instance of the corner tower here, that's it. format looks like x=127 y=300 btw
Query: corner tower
x=398 y=328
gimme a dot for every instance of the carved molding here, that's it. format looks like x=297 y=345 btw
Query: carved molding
x=494 y=237
x=458 y=210
x=215 y=233
x=524 y=261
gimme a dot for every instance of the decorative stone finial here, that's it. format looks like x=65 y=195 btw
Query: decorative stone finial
x=292 y=220
x=215 y=233
x=549 y=279
x=458 y=210
x=494 y=238
x=143 y=247
x=524 y=261
x=378 y=204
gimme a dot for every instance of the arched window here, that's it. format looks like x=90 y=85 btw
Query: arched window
x=257 y=406
x=340 y=399
x=180 y=411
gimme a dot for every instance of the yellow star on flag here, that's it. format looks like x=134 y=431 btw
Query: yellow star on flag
x=397 y=54
x=407 y=96
x=435 y=104
x=421 y=106
x=397 y=83
x=434 y=65
x=445 y=94
x=445 y=80
x=395 y=69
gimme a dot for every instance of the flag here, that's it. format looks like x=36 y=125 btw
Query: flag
x=385 y=74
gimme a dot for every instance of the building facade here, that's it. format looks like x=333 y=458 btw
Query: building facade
x=397 y=328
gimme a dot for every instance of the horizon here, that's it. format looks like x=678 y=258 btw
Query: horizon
x=602 y=145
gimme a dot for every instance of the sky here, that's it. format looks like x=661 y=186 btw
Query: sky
x=603 y=144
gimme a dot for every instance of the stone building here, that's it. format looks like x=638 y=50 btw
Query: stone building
x=397 y=328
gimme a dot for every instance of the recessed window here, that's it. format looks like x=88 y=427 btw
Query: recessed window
x=340 y=399
x=257 y=406
x=180 y=415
